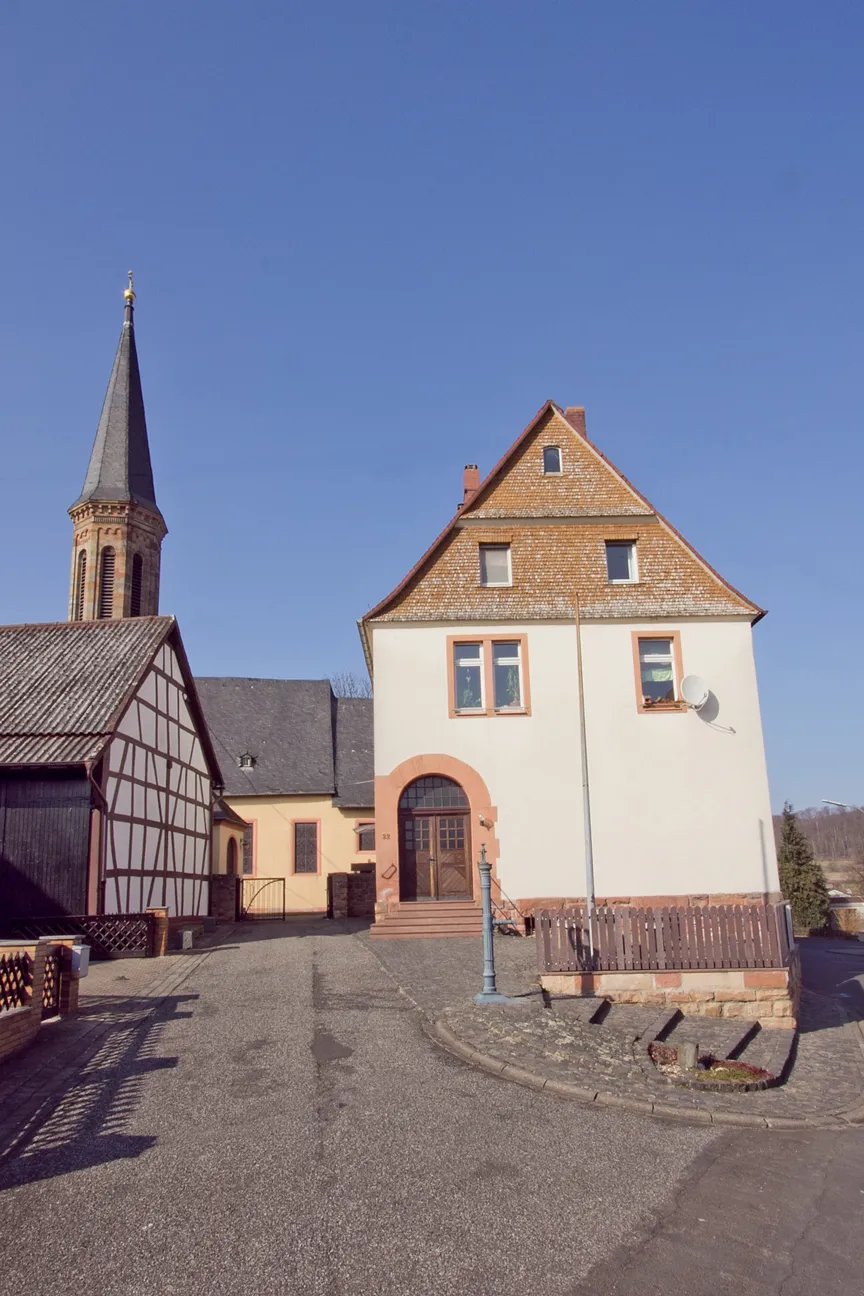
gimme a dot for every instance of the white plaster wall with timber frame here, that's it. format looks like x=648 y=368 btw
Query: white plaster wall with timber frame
x=157 y=828
x=679 y=803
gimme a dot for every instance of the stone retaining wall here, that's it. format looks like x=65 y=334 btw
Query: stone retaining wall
x=767 y=995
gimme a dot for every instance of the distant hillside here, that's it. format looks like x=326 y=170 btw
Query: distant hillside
x=837 y=837
x=834 y=834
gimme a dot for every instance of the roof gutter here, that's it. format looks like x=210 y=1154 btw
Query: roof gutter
x=367 y=645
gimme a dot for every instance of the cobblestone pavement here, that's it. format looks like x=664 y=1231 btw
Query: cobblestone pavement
x=827 y=1076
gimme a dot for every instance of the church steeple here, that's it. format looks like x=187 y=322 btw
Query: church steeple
x=118 y=528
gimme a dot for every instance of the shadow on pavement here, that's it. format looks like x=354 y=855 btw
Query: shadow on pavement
x=83 y=1121
x=832 y=969
x=262 y=929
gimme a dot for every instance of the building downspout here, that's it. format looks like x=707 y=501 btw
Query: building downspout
x=96 y=852
x=590 y=903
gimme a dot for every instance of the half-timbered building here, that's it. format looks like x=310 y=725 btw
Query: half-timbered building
x=107 y=771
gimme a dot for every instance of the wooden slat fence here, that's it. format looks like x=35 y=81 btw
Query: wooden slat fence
x=628 y=938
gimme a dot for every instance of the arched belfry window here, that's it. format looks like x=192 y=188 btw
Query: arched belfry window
x=106 y=584
x=80 y=583
x=433 y=792
x=137 y=583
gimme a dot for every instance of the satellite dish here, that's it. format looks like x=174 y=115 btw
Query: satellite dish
x=694 y=691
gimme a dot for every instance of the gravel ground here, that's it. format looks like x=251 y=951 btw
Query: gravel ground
x=279 y=1122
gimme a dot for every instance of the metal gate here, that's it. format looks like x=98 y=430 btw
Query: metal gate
x=262 y=897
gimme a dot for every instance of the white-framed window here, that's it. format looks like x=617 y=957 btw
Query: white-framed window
x=621 y=567
x=365 y=836
x=552 y=460
x=507 y=675
x=495 y=565
x=468 y=677
x=657 y=671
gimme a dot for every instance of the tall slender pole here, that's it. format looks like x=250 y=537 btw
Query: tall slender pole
x=586 y=789
x=489 y=986
x=489 y=994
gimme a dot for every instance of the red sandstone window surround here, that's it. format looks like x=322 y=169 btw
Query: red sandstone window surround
x=487 y=676
x=659 y=669
x=365 y=830
x=307 y=845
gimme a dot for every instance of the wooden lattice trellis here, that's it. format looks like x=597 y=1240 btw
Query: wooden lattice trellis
x=16 y=977
x=108 y=935
x=51 y=986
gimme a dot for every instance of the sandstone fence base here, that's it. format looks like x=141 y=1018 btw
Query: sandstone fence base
x=768 y=995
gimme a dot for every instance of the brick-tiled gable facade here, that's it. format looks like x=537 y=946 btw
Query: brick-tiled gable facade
x=557 y=527
x=542 y=718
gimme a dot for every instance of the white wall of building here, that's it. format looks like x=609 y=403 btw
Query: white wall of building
x=680 y=802
x=679 y=805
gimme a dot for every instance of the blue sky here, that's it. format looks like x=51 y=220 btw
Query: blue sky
x=370 y=240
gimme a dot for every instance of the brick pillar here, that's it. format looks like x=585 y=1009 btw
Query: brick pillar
x=158 y=932
x=337 y=884
x=224 y=896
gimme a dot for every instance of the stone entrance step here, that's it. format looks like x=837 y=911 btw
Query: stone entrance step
x=429 y=919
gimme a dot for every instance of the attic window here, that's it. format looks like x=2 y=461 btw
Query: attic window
x=495 y=565
x=246 y=761
x=621 y=566
x=552 y=461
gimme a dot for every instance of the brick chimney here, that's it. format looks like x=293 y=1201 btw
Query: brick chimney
x=470 y=483
x=575 y=416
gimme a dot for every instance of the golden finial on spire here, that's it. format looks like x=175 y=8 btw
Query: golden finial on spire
x=129 y=293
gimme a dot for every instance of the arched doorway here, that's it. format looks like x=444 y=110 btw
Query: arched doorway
x=434 y=841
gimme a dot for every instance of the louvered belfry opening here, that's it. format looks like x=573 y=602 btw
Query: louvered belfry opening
x=137 y=582
x=80 y=583
x=106 y=585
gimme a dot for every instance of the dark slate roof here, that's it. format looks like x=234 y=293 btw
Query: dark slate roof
x=120 y=468
x=63 y=686
x=303 y=741
x=223 y=813
x=354 y=755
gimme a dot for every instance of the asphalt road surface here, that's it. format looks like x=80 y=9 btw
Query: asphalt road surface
x=284 y=1125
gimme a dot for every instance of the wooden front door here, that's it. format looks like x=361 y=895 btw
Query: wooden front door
x=452 y=861
x=434 y=841
x=435 y=859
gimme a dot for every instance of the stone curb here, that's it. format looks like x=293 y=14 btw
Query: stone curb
x=447 y=1038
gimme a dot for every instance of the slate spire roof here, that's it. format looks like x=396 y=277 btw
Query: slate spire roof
x=120 y=469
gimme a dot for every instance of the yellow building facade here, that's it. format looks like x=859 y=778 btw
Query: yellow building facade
x=298 y=797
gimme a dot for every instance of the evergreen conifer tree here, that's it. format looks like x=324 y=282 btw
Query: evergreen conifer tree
x=801 y=878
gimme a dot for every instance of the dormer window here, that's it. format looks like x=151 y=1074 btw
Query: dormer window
x=552 y=461
x=621 y=566
x=495 y=565
x=246 y=761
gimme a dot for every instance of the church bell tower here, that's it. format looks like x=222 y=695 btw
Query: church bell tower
x=117 y=527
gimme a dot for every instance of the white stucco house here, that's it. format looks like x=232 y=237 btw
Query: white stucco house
x=551 y=560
